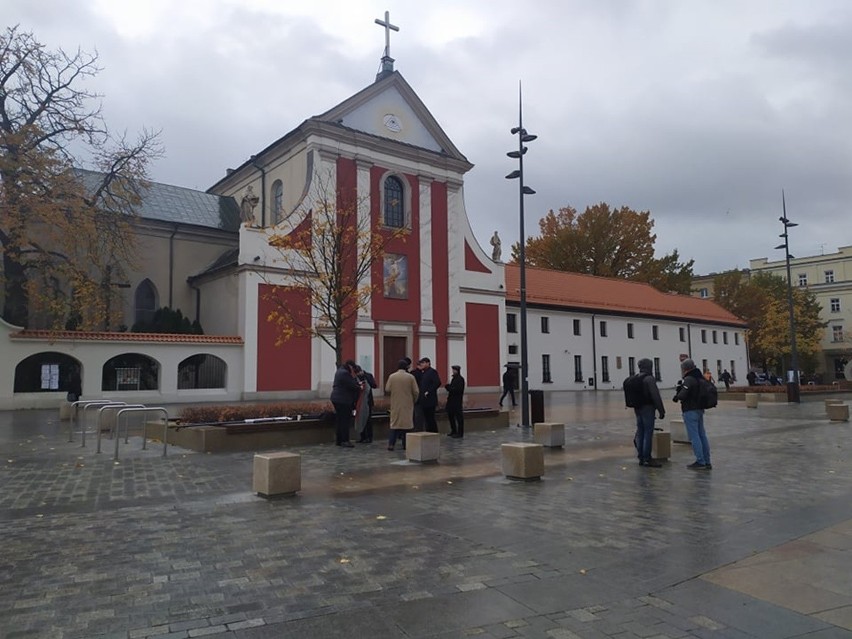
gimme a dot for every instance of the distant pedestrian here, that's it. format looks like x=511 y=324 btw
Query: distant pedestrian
x=509 y=381
x=642 y=395
x=455 y=403
x=364 y=408
x=751 y=378
x=344 y=395
x=417 y=372
x=430 y=382
x=403 y=391
x=726 y=379
x=688 y=394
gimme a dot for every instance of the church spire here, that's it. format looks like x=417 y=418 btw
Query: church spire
x=387 y=61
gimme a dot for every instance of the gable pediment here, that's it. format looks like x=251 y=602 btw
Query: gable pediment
x=391 y=109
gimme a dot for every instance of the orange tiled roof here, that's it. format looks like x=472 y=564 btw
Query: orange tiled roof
x=99 y=336
x=611 y=295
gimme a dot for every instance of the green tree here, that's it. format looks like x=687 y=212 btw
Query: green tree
x=61 y=229
x=761 y=301
x=607 y=242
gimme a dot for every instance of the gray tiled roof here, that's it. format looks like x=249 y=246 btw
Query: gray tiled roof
x=177 y=204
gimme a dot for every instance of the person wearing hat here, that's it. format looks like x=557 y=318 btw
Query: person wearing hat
x=455 y=403
x=403 y=391
x=687 y=393
x=429 y=383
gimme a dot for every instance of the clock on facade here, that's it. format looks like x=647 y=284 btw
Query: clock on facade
x=392 y=123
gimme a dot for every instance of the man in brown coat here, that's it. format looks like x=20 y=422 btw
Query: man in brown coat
x=403 y=391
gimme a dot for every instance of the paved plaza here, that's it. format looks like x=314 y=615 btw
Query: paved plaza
x=378 y=547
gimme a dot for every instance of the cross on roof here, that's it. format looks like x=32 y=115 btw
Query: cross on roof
x=386 y=23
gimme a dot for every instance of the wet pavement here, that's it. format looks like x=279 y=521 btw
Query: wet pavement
x=375 y=546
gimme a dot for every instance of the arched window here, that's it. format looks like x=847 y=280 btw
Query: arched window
x=129 y=372
x=277 y=201
x=202 y=371
x=46 y=372
x=394 y=213
x=146 y=301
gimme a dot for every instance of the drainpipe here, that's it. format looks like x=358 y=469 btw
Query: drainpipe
x=262 y=190
x=594 y=356
x=197 y=290
x=172 y=264
x=689 y=339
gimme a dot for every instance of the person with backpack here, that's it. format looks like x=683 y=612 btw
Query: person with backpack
x=695 y=394
x=642 y=395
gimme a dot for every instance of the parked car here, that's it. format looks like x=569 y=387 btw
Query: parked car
x=768 y=380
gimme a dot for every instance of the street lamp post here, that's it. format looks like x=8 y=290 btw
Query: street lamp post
x=523 y=137
x=793 y=394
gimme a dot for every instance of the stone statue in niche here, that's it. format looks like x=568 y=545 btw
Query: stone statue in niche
x=497 y=250
x=247 y=205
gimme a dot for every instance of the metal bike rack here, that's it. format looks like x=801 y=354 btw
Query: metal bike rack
x=98 y=422
x=129 y=409
x=75 y=413
x=113 y=406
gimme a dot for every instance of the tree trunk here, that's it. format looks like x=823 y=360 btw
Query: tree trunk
x=16 y=301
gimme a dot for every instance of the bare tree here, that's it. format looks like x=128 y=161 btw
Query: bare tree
x=328 y=255
x=63 y=231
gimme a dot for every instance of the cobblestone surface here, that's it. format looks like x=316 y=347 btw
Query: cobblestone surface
x=375 y=546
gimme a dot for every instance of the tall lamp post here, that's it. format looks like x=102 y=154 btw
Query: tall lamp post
x=793 y=394
x=518 y=174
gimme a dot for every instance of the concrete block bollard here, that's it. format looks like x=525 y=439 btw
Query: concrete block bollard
x=830 y=402
x=277 y=473
x=751 y=400
x=422 y=447
x=679 y=434
x=661 y=448
x=65 y=410
x=837 y=412
x=549 y=434
x=523 y=460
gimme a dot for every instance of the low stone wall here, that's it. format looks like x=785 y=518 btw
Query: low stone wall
x=270 y=435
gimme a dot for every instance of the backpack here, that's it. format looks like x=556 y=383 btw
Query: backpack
x=635 y=395
x=708 y=396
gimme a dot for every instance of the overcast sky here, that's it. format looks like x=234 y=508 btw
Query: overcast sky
x=699 y=111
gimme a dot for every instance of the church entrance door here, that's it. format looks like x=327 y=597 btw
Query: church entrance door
x=393 y=350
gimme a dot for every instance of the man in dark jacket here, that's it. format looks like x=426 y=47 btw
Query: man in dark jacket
x=344 y=394
x=455 y=403
x=653 y=403
x=429 y=384
x=508 y=385
x=688 y=394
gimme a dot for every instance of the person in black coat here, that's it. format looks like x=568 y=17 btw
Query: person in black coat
x=455 y=403
x=509 y=381
x=429 y=384
x=344 y=394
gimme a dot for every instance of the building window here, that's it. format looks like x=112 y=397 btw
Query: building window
x=202 y=371
x=715 y=337
x=629 y=330
x=803 y=279
x=733 y=371
x=46 y=372
x=578 y=368
x=631 y=365
x=545 y=324
x=724 y=337
x=829 y=277
x=703 y=336
x=130 y=372
x=277 y=201
x=837 y=333
x=146 y=302
x=545 y=369
x=835 y=304
x=682 y=332
x=704 y=365
x=511 y=323
x=704 y=293
x=718 y=368
x=513 y=349
x=603 y=328
x=657 y=375
x=576 y=327
x=655 y=332
x=604 y=368
x=736 y=339
x=394 y=209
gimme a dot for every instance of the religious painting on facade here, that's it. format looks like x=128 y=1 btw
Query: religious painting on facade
x=396 y=276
